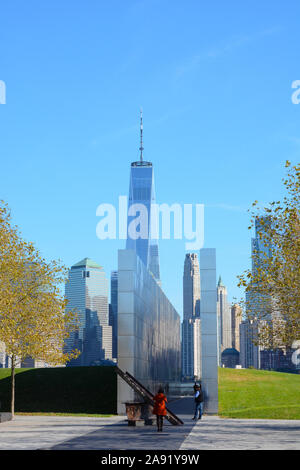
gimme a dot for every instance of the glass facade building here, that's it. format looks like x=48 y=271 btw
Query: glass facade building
x=87 y=294
x=142 y=217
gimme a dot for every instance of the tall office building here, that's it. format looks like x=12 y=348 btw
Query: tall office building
x=236 y=319
x=256 y=303
x=249 y=351
x=258 y=248
x=141 y=214
x=87 y=294
x=107 y=341
x=224 y=317
x=260 y=306
x=191 y=325
x=114 y=312
x=2 y=354
x=191 y=286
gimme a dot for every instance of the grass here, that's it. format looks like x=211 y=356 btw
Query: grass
x=250 y=393
x=92 y=391
x=67 y=390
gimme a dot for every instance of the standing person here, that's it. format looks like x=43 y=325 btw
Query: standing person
x=198 y=403
x=159 y=408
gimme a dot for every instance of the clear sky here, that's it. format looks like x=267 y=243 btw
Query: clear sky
x=214 y=81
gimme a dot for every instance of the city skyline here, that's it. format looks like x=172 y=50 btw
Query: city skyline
x=219 y=120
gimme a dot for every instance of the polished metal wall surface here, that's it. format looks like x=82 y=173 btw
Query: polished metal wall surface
x=209 y=329
x=148 y=329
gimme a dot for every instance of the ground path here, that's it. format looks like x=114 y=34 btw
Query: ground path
x=88 y=433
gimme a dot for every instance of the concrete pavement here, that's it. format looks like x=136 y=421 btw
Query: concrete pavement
x=213 y=433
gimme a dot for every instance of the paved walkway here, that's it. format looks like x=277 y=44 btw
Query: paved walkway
x=58 y=432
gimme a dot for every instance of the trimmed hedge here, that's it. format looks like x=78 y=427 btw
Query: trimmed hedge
x=62 y=390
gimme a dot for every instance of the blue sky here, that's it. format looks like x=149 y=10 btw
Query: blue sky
x=214 y=80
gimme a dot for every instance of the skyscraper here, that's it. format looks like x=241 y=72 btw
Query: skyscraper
x=141 y=215
x=236 y=319
x=2 y=354
x=249 y=351
x=191 y=286
x=191 y=325
x=258 y=306
x=259 y=250
x=224 y=317
x=87 y=294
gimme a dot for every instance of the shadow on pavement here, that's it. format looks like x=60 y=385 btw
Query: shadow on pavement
x=121 y=437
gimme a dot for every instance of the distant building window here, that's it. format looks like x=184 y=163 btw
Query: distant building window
x=88 y=274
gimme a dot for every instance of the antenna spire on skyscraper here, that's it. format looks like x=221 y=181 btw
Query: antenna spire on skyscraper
x=141 y=130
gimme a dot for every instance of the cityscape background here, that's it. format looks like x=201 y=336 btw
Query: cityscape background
x=214 y=81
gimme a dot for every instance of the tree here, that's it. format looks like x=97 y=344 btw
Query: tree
x=33 y=322
x=273 y=285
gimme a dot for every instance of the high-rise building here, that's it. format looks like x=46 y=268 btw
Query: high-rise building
x=249 y=350
x=107 y=341
x=191 y=325
x=191 y=286
x=259 y=306
x=256 y=303
x=259 y=249
x=141 y=233
x=236 y=319
x=2 y=354
x=224 y=318
x=114 y=312
x=87 y=294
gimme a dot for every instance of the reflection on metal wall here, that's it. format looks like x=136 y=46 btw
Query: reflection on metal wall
x=148 y=329
x=209 y=328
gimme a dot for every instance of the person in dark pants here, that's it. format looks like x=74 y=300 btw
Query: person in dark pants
x=198 y=403
x=159 y=408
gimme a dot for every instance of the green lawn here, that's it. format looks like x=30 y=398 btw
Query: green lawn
x=67 y=390
x=250 y=393
x=92 y=391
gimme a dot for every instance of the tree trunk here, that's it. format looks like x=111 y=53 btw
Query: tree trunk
x=12 y=377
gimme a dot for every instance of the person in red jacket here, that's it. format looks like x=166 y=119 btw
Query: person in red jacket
x=159 y=408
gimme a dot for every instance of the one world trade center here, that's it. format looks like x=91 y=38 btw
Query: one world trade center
x=142 y=213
